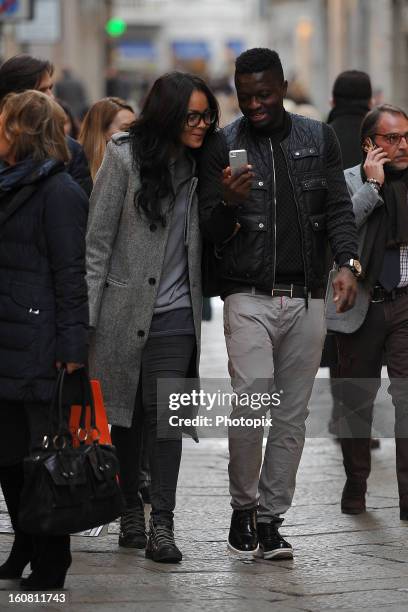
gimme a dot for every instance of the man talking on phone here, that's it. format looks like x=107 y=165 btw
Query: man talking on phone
x=379 y=326
x=268 y=226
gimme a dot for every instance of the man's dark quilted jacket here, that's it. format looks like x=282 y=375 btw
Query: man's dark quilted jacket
x=323 y=204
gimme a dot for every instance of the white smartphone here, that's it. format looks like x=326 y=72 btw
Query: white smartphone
x=238 y=160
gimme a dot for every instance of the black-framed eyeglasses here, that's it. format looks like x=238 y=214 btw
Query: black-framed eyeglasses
x=194 y=118
x=393 y=138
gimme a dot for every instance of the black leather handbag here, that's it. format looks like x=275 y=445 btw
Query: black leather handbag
x=69 y=489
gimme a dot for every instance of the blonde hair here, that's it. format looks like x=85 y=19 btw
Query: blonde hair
x=94 y=127
x=34 y=126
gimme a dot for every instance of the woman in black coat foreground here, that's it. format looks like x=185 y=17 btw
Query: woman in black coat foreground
x=43 y=305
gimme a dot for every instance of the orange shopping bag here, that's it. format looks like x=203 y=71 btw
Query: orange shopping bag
x=100 y=414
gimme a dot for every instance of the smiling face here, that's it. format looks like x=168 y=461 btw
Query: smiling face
x=389 y=125
x=193 y=137
x=260 y=98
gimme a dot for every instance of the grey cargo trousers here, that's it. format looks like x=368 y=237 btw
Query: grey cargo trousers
x=274 y=345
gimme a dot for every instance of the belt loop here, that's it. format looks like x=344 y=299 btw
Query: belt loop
x=253 y=290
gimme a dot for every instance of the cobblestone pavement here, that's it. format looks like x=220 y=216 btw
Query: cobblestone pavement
x=341 y=562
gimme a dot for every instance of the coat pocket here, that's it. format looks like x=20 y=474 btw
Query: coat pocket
x=25 y=312
x=111 y=280
x=243 y=256
x=314 y=182
x=33 y=298
x=319 y=243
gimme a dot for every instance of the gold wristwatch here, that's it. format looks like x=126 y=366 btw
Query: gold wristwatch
x=354 y=266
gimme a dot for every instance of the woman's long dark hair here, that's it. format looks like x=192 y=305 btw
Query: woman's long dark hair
x=155 y=136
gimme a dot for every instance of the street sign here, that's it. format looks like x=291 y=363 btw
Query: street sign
x=16 y=10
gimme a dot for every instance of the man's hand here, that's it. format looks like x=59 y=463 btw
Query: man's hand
x=71 y=367
x=374 y=164
x=236 y=188
x=345 y=290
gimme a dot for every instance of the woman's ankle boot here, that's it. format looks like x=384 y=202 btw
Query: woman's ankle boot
x=52 y=559
x=19 y=557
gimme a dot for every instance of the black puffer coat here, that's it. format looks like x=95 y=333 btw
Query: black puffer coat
x=43 y=293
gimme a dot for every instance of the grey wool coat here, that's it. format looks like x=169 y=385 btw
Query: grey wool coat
x=125 y=251
x=365 y=199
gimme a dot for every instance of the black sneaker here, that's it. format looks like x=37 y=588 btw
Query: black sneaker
x=271 y=543
x=243 y=538
x=133 y=528
x=161 y=546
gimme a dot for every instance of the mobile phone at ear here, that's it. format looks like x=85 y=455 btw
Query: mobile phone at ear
x=238 y=161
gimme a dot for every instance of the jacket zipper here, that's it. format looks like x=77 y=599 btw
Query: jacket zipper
x=274 y=219
x=299 y=220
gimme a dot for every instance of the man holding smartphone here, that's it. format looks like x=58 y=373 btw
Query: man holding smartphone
x=269 y=225
x=379 y=326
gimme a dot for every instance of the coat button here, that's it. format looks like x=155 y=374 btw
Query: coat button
x=316 y=224
x=261 y=225
x=297 y=153
x=152 y=281
x=140 y=333
x=106 y=284
x=260 y=183
x=153 y=227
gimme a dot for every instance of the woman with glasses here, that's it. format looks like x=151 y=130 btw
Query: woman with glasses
x=144 y=278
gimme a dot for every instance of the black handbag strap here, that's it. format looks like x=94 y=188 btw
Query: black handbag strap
x=55 y=401
x=87 y=396
x=59 y=431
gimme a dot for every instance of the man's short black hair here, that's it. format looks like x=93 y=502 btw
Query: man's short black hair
x=258 y=60
x=22 y=72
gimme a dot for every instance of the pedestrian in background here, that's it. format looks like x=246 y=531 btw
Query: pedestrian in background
x=72 y=91
x=351 y=101
x=270 y=223
x=105 y=118
x=23 y=72
x=43 y=305
x=144 y=278
x=71 y=127
x=379 y=326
